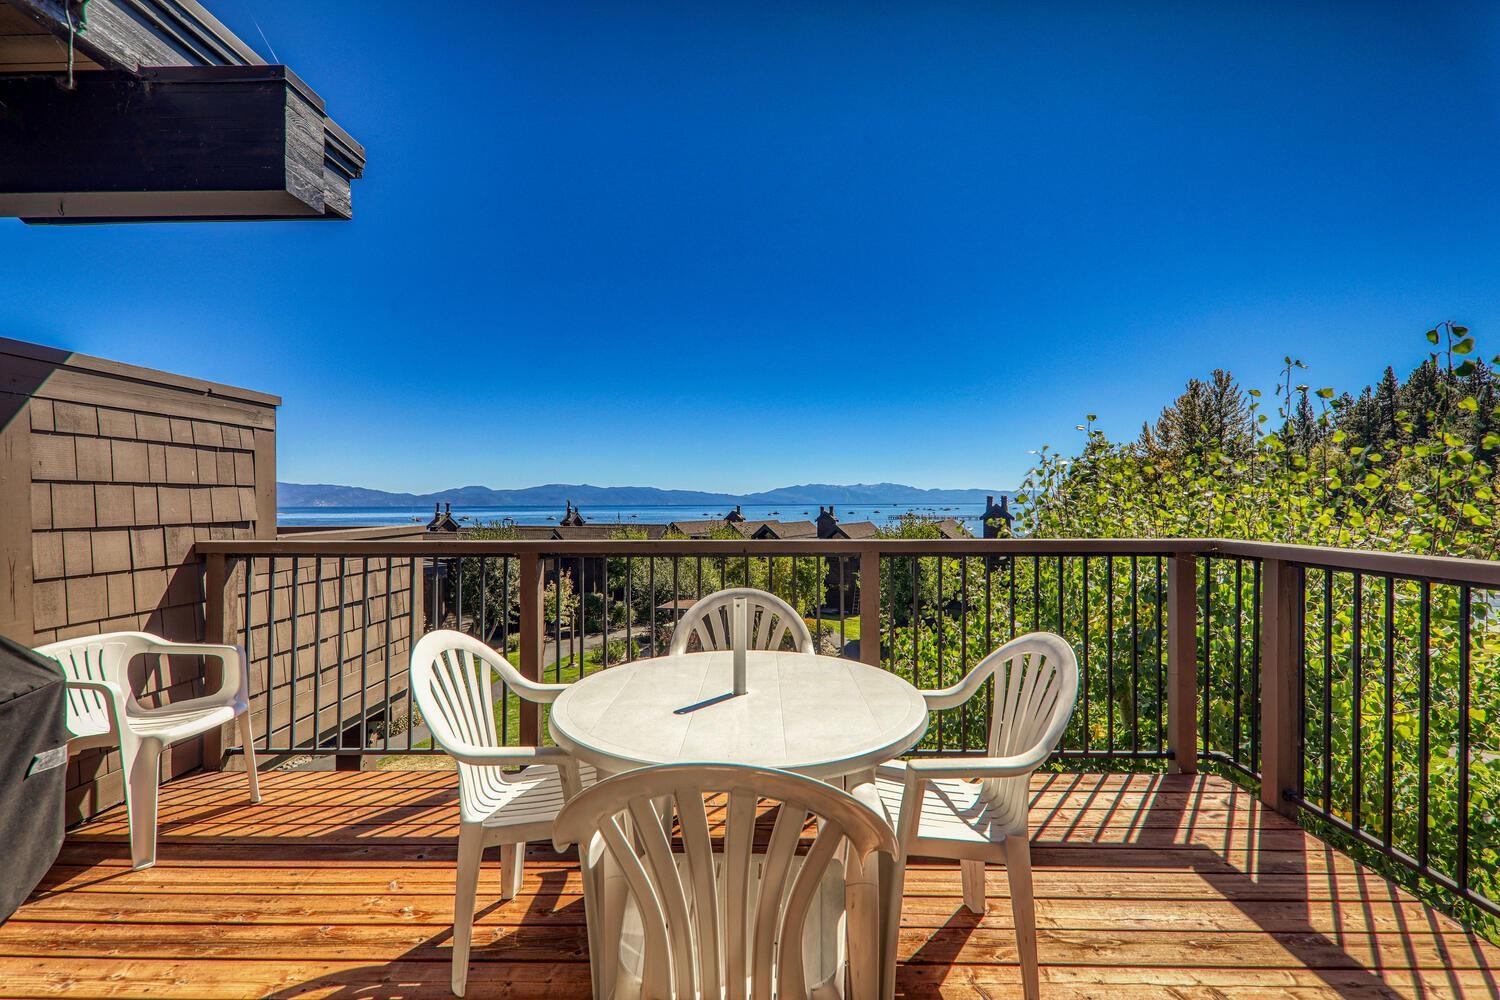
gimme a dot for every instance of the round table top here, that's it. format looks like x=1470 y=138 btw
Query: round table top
x=820 y=716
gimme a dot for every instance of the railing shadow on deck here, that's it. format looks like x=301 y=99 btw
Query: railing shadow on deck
x=1228 y=867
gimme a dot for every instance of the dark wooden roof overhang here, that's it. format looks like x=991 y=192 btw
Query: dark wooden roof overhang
x=171 y=117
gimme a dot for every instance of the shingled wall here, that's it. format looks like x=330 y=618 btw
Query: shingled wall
x=109 y=474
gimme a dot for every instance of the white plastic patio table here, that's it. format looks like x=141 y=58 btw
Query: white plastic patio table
x=822 y=716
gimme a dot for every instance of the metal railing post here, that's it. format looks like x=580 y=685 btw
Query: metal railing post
x=223 y=580
x=1182 y=662
x=869 y=607
x=1279 y=740
x=531 y=610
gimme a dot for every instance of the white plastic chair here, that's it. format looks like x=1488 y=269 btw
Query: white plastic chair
x=102 y=710
x=974 y=809
x=452 y=679
x=701 y=924
x=711 y=620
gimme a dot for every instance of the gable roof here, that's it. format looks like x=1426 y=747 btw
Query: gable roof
x=858 y=529
x=788 y=529
x=952 y=528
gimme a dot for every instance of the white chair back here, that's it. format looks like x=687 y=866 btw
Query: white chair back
x=772 y=621
x=706 y=930
x=1036 y=685
x=452 y=679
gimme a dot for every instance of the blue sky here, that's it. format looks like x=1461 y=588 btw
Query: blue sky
x=733 y=247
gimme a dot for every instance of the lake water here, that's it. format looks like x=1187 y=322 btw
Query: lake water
x=881 y=514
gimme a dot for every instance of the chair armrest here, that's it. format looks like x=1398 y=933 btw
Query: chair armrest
x=956 y=694
x=234 y=682
x=492 y=756
x=928 y=769
x=113 y=696
x=536 y=691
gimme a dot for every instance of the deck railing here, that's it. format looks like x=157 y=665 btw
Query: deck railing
x=1342 y=682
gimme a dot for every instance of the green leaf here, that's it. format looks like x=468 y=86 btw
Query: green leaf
x=1432 y=338
x=1464 y=346
x=1325 y=393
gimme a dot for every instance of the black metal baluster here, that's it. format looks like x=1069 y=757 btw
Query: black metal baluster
x=1356 y=662
x=1036 y=593
x=1161 y=682
x=557 y=639
x=317 y=658
x=1135 y=656
x=457 y=592
x=364 y=651
x=385 y=741
x=1464 y=625
x=1011 y=598
x=843 y=625
x=629 y=611
x=1085 y=680
x=1388 y=777
x=1424 y=712
x=414 y=574
x=580 y=628
x=271 y=650
x=1206 y=653
x=292 y=668
x=1060 y=616
x=1302 y=685
x=505 y=647
x=1109 y=652
x=1255 y=667
x=1239 y=654
x=1328 y=691
x=484 y=600
x=963 y=642
x=338 y=715
x=915 y=627
x=940 y=617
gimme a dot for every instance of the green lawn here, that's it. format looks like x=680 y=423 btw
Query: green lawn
x=851 y=625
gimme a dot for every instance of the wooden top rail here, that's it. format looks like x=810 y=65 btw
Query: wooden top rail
x=1439 y=569
x=703 y=547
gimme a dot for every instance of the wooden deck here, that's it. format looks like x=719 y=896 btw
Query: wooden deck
x=339 y=885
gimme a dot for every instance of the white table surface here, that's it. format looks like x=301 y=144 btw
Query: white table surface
x=821 y=716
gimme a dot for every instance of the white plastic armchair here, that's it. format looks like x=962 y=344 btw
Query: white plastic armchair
x=772 y=620
x=974 y=809
x=103 y=710
x=452 y=679
x=700 y=923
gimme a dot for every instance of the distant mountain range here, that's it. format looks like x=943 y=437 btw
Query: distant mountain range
x=556 y=494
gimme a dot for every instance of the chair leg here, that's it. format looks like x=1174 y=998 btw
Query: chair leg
x=512 y=865
x=1018 y=868
x=247 y=742
x=973 y=880
x=141 y=763
x=470 y=851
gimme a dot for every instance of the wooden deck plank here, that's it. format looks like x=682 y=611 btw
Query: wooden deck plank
x=339 y=885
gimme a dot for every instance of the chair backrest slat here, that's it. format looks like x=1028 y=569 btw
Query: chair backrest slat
x=711 y=620
x=697 y=847
x=685 y=928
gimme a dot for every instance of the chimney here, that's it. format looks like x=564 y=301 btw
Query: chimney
x=828 y=525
